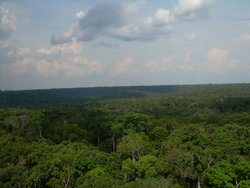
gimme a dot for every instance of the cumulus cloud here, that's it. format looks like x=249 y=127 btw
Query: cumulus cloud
x=106 y=44
x=58 y=67
x=216 y=61
x=188 y=56
x=116 y=21
x=94 y=23
x=166 y=64
x=219 y=60
x=161 y=17
x=7 y=23
x=190 y=37
x=126 y=66
x=21 y=66
x=217 y=55
x=23 y=51
x=102 y=15
x=133 y=7
x=193 y=9
x=152 y=65
x=168 y=60
x=139 y=33
x=245 y=37
x=169 y=64
x=64 y=48
x=10 y=51
x=108 y=19
x=151 y=29
x=80 y=14
x=60 y=60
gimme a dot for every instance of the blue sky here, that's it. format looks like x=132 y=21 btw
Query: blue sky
x=73 y=43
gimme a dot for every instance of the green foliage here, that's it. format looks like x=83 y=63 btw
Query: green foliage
x=72 y=132
x=128 y=169
x=148 y=167
x=150 y=183
x=96 y=178
x=181 y=136
x=135 y=122
x=134 y=145
x=159 y=134
x=225 y=174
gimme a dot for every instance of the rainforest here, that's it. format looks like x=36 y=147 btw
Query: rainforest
x=127 y=137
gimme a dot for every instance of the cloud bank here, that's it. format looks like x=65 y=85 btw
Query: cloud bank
x=126 y=66
x=190 y=37
x=64 y=60
x=193 y=9
x=245 y=37
x=107 y=19
x=7 y=23
x=110 y=20
x=219 y=60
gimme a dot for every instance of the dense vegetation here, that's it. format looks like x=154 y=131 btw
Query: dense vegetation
x=158 y=136
x=47 y=97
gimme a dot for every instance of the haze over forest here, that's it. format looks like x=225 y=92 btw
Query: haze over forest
x=60 y=44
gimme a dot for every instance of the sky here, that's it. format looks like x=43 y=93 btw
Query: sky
x=75 y=43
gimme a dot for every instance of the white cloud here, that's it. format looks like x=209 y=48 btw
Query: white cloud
x=80 y=14
x=186 y=67
x=7 y=23
x=73 y=47
x=159 y=25
x=166 y=64
x=23 y=51
x=58 y=67
x=161 y=17
x=107 y=19
x=168 y=60
x=77 y=66
x=94 y=23
x=139 y=33
x=219 y=60
x=126 y=66
x=21 y=66
x=43 y=67
x=133 y=7
x=60 y=60
x=188 y=56
x=193 y=9
x=44 y=51
x=152 y=65
x=234 y=63
x=245 y=37
x=10 y=52
x=127 y=32
x=169 y=64
x=190 y=37
x=217 y=55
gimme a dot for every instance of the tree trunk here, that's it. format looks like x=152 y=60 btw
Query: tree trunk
x=133 y=157
x=237 y=183
x=98 y=141
x=67 y=182
x=126 y=176
x=40 y=132
x=113 y=142
x=201 y=174
x=198 y=183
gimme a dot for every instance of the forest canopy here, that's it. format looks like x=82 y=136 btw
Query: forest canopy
x=141 y=136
